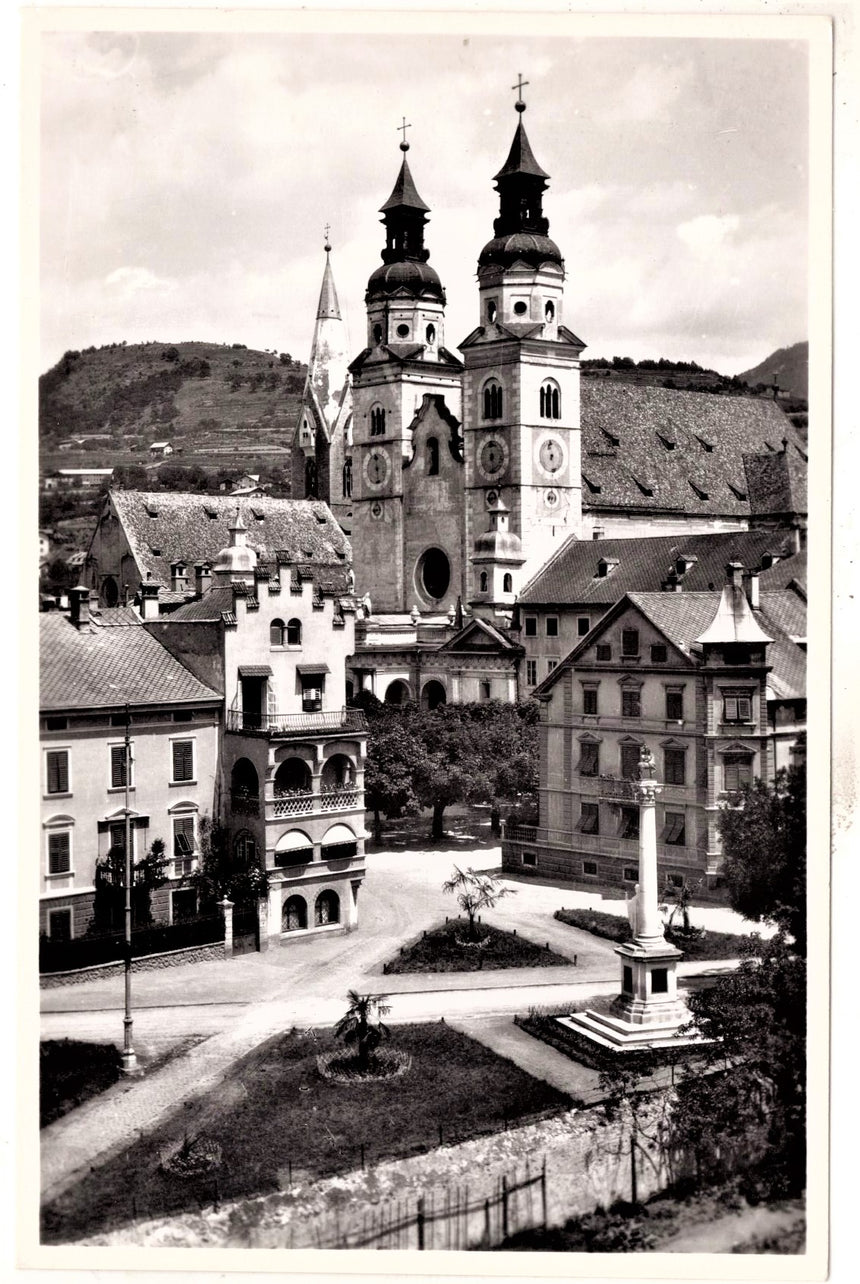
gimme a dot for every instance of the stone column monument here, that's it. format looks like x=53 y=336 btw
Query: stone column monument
x=649 y=1011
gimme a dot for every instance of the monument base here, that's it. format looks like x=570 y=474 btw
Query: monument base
x=613 y=1033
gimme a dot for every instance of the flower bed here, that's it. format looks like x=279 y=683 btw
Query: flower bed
x=615 y=927
x=448 y=949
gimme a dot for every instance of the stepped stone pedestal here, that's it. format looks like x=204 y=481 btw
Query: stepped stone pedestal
x=649 y=1011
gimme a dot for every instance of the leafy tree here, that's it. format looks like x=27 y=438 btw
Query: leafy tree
x=109 y=899
x=222 y=872
x=392 y=752
x=361 y=1025
x=764 y=853
x=475 y=892
x=746 y=1092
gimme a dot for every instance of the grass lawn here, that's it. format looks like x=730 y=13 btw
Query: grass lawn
x=70 y=1072
x=277 y=1119
x=440 y=951
x=712 y=945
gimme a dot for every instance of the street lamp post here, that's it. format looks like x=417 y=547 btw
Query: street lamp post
x=129 y=1059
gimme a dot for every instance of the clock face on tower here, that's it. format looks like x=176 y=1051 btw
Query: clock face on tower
x=492 y=457
x=551 y=455
x=377 y=467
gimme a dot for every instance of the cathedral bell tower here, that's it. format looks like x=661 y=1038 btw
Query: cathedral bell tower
x=521 y=415
x=396 y=561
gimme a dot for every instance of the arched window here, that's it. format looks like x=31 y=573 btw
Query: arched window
x=508 y=583
x=327 y=909
x=433 y=695
x=276 y=633
x=244 y=788
x=484 y=581
x=292 y=777
x=310 y=479
x=294 y=633
x=397 y=693
x=294 y=916
x=347 y=478
x=491 y=311
x=110 y=591
x=338 y=772
x=431 y=334
x=549 y=310
x=550 y=401
x=492 y=400
x=432 y=456
x=377 y=334
x=377 y=421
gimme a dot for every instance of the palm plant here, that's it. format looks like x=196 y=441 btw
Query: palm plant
x=683 y=899
x=475 y=892
x=361 y=1026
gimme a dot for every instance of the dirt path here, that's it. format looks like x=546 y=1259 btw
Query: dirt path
x=733 y=1230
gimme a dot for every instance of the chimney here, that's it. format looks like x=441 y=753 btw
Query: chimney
x=734 y=574
x=149 y=600
x=202 y=578
x=79 y=606
x=178 y=577
x=752 y=582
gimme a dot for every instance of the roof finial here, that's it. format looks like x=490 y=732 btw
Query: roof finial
x=327 y=246
x=404 y=146
x=519 y=86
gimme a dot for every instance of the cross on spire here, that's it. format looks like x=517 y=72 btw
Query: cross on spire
x=519 y=86
x=327 y=231
x=404 y=146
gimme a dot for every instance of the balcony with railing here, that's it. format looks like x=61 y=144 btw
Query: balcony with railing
x=303 y=802
x=286 y=726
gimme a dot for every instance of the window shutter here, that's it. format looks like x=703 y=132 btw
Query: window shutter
x=183 y=760
x=58 y=772
x=59 y=854
x=117 y=766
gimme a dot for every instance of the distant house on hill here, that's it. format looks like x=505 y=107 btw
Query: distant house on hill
x=76 y=478
x=160 y=449
x=172 y=539
x=248 y=486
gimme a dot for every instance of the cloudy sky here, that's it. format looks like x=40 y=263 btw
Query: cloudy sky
x=186 y=180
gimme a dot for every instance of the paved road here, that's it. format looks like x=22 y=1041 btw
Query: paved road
x=237 y=1003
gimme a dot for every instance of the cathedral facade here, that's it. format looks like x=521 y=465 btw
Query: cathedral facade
x=466 y=476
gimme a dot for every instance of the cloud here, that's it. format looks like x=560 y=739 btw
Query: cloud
x=707 y=233
x=130 y=281
x=650 y=93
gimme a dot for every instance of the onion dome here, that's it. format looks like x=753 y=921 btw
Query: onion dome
x=521 y=228
x=498 y=544
x=404 y=258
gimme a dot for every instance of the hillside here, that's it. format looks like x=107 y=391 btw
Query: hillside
x=789 y=366
x=213 y=402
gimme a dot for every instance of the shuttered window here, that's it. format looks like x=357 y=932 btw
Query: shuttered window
x=674 y=766
x=183 y=760
x=183 y=845
x=675 y=829
x=59 y=853
x=589 y=759
x=117 y=767
x=58 y=771
x=630 y=762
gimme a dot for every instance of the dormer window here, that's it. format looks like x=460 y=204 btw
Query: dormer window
x=646 y=487
x=492 y=399
x=706 y=445
x=610 y=437
x=668 y=442
x=550 y=400
x=593 y=486
x=698 y=490
x=736 y=491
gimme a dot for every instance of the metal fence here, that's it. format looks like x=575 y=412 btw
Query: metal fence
x=446 y=1220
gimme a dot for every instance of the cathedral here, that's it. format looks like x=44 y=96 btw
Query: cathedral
x=459 y=478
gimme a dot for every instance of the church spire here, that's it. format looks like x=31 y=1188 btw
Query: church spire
x=405 y=255
x=328 y=306
x=327 y=369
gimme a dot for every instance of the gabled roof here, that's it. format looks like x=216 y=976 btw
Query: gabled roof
x=625 y=428
x=112 y=662
x=163 y=527
x=211 y=606
x=519 y=330
x=571 y=576
x=480 y=636
x=682 y=618
x=403 y=353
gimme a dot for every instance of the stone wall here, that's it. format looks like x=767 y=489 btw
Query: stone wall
x=148 y=963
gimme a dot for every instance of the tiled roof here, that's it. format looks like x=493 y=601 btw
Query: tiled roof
x=790 y=571
x=114 y=662
x=786 y=609
x=686 y=448
x=163 y=527
x=571 y=577
x=681 y=616
x=206 y=608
